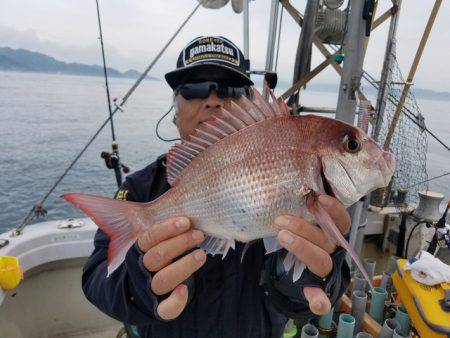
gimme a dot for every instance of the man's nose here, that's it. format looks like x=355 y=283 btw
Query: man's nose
x=213 y=101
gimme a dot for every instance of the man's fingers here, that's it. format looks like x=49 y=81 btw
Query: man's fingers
x=172 y=306
x=167 y=279
x=337 y=212
x=162 y=231
x=305 y=229
x=315 y=258
x=318 y=301
x=163 y=253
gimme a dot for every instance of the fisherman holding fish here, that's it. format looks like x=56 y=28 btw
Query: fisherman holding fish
x=158 y=276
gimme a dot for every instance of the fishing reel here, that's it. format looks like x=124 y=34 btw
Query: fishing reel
x=271 y=78
x=112 y=159
x=441 y=237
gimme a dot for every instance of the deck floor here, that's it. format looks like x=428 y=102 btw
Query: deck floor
x=110 y=332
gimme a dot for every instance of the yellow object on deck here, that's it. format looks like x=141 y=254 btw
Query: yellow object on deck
x=10 y=272
x=422 y=303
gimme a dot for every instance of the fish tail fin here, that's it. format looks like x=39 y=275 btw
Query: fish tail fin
x=118 y=219
x=330 y=228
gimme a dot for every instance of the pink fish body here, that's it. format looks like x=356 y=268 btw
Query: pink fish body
x=242 y=169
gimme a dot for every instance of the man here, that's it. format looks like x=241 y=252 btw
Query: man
x=168 y=287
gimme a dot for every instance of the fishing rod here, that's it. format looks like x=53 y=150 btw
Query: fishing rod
x=38 y=209
x=112 y=160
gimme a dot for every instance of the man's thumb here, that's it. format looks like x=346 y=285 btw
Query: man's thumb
x=319 y=303
x=172 y=306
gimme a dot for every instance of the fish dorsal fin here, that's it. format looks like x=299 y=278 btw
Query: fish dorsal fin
x=242 y=113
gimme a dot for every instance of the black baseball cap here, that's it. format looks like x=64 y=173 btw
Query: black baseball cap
x=210 y=58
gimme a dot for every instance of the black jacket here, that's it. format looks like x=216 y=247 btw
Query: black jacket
x=228 y=298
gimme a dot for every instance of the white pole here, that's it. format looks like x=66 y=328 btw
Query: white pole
x=246 y=31
x=272 y=35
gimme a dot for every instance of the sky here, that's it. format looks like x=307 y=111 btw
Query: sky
x=134 y=32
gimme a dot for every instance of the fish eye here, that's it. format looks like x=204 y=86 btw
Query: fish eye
x=351 y=144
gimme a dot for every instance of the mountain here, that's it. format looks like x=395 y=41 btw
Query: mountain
x=420 y=93
x=23 y=60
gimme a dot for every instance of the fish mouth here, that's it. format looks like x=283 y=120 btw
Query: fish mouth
x=326 y=186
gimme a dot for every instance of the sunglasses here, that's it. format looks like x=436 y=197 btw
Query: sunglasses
x=202 y=90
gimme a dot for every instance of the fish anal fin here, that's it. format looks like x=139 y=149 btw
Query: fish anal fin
x=213 y=245
x=271 y=244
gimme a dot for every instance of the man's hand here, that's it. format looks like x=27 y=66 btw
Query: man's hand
x=162 y=243
x=311 y=246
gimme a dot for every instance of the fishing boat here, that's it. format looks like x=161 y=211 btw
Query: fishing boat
x=48 y=301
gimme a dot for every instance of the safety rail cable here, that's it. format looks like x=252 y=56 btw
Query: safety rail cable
x=428 y=180
x=406 y=111
x=38 y=206
x=369 y=78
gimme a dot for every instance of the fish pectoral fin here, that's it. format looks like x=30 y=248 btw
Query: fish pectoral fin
x=214 y=245
x=327 y=224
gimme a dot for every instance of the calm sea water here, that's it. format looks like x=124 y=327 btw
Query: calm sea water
x=45 y=120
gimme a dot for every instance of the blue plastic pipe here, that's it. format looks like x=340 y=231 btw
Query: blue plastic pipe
x=364 y=335
x=388 y=328
x=376 y=310
x=359 y=282
x=346 y=326
x=359 y=301
x=403 y=320
x=326 y=321
x=309 y=331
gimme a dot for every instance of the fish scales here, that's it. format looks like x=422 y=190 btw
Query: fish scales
x=264 y=176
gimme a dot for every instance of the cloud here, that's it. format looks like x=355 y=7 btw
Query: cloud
x=136 y=30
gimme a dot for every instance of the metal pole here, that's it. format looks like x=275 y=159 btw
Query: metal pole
x=297 y=16
x=304 y=49
x=386 y=73
x=353 y=61
x=412 y=72
x=272 y=35
x=246 y=31
x=295 y=87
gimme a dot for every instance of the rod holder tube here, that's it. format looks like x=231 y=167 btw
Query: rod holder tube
x=359 y=301
x=399 y=334
x=387 y=331
x=359 y=282
x=376 y=310
x=309 y=331
x=326 y=321
x=364 y=335
x=403 y=320
x=369 y=265
x=386 y=281
x=346 y=326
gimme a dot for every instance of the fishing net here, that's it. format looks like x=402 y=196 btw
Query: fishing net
x=409 y=143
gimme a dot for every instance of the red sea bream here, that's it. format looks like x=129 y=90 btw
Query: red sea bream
x=243 y=168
